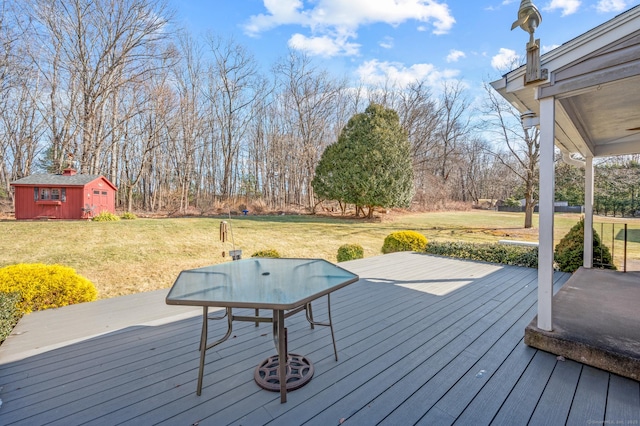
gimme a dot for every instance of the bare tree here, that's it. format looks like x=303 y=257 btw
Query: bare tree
x=8 y=41
x=188 y=138
x=420 y=117
x=308 y=99
x=453 y=127
x=148 y=109
x=523 y=146
x=234 y=90
x=99 y=46
x=20 y=88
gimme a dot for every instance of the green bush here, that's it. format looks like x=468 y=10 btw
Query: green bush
x=128 y=216
x=105 y=216
x=45 y=286
x=512 y=202
x=350 y=252
x=569 y=253
x=267 y=253
x=404 y=241
x=9 y=313
x=487 y=252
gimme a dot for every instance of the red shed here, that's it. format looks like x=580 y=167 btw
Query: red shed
x=65 y=196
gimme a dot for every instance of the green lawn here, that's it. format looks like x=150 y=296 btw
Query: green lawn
x=145 y=254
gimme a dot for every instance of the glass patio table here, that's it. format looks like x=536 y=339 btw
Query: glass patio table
x=284 y=286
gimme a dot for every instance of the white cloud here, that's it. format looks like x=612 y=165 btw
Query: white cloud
x=506 y=60
x=323 y=46
x=387 y=43
x=376 y=72
x=281 y=12
x=568 y=6
x=331 y=18
x=493 y=8
x=605 y=6
x=352 y=14
x=455 y=55
x=546 y=49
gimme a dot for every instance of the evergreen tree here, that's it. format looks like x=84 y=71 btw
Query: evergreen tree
x=569 y=253
x=370 y=164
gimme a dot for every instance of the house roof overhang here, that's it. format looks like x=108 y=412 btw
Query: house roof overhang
x=595 y=81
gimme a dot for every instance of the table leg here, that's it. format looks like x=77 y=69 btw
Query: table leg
x=203 y=340
x=326 y=324
x=203 y=347
x=310 y=315
x=282 y=353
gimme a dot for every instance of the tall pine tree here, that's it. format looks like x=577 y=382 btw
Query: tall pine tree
x=370 y=164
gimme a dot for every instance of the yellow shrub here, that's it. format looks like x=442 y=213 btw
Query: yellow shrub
x=45 y=286
x=404 y=241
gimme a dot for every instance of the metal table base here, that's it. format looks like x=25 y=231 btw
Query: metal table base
x=268 y=374
x=299 y=373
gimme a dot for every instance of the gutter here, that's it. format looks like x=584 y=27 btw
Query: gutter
x=568 y=159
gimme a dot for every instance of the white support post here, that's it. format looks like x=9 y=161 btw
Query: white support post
x=546 y=208
x=588 y=212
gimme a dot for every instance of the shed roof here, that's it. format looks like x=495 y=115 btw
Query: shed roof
x=59 y=180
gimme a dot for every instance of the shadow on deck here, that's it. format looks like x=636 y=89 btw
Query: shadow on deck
x=596 y=321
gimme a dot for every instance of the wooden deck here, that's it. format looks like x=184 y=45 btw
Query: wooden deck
x=421 y=340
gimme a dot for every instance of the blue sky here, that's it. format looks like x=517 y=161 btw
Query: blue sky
x=398 y=40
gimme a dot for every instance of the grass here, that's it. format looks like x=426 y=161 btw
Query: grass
x=146 y=254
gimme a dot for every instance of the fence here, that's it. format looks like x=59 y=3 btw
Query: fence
x=609 y=236
x=557 y=209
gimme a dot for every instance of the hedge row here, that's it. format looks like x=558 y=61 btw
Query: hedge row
x=9 y=313
x=487 y=252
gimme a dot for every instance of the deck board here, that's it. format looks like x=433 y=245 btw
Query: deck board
x=421 y=340
x=555 y=402
x=590 y=400
x=623 y=401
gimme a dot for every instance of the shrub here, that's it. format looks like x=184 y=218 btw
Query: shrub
x=9 y=313
x=512 y=202
x=487 y=252
x=267 y=253
x=404 y=241
x=45 y=286
x=569 y=252
x=128 y=216
x=350 y=252
x=105 y=216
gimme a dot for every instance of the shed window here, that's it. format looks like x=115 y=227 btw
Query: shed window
x=58 y=194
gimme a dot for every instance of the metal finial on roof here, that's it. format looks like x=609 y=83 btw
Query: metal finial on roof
x=529 y=18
